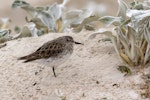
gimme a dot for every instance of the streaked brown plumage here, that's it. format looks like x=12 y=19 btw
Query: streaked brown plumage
x=55 y=49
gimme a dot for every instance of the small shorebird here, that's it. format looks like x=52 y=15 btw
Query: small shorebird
x=53 y=52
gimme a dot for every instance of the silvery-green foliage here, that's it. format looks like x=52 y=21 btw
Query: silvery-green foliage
x=53 y=19
x=146 y=4
x=77 y=19
x=5 y=35
x=46 y=17
x=39 y=15
x=86 y=21
x=76 y=16
x=110 y=20
x=136 y=5
x=132 y=32
x=17 y=29
x=28 y=31
x=122 y=9
x=4 y=30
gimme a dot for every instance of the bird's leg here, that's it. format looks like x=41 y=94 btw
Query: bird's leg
x=54 y=71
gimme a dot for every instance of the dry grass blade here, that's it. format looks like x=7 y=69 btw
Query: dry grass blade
x=141 y=55
x=124 y=41
x=147 y=54
x=59 y=25
x=126 y=59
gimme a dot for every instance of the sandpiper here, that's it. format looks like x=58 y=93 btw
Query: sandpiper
x=52 y=53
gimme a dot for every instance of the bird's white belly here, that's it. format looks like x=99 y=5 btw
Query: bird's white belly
x=53 y=61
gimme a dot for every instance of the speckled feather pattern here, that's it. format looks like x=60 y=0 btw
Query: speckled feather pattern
x=52 y=49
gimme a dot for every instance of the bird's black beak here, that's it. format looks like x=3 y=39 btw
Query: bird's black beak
x=78 y=43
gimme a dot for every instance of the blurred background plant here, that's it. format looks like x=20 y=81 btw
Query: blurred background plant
x=52 y=18
x=55 y=18
x=4 y=30
x=131 y=33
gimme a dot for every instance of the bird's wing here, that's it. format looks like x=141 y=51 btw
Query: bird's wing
x=49 y=49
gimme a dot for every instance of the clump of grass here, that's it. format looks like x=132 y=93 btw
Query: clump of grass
x=131 y=33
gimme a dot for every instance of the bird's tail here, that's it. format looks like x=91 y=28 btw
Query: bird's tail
x=29 y=58
x=26 y=59
x=23 y=58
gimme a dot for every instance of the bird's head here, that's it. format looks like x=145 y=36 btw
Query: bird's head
x=69 y=39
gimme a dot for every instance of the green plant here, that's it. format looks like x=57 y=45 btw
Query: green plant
x=53 y=18
x=5 y=31
x=47 y=19
x=131 y=34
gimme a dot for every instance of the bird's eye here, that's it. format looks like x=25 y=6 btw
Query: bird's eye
x=68 y=40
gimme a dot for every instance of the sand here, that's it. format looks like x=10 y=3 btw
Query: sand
x=89 y=74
